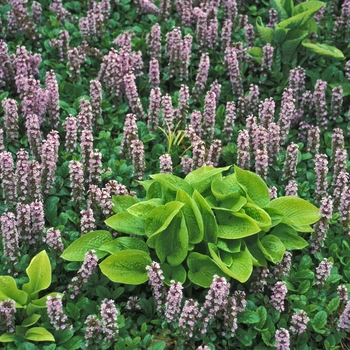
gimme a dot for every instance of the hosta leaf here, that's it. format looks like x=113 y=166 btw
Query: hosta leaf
x=173 y=182
x=92 y=240
x=324 y=50
x=289 y=237
x=193 y=217
x=230 y=245
x=176 y=273
x=272 y=248
x=121 y=203
x=29 y=321
x=39 y=273
x=298 y=211
x=241 y=267
x=142 y=209
x=258 y=257
x=233 y=225
x=201 y=269
x=7 y=337
x=159 y=218
x=126 y=223
x=266 y=35
x=308 y=5
x=9 y=290
x=259 y=215
x=256 y=53
x=172 y=243
x=209 y=221
x=127 y=266
x=254 y=186
x=38 y=334
x=201 y=178
x=124 y=243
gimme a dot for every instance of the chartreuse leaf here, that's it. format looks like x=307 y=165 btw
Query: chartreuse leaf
x=233 y=225
x=127 y=266
x=266 y=34
x=7 y=337
x=255 y=252
x=193 y=217
x=38 y=334
x=253 y=185
x=9 y=290
x=278 y=6
x=176 y=273
x=126 y=223
x=324 y=50
x=209 y=221
x=159 y=218
x=201 y=178
x=289 y=237
x=173 y=182
x=90 y=241
x=296 y=210
x=307 y=5
x=142 y=209
x=124 y=243
x=29 y=321
x=272 y=248
x=231 y=245
x=121 y=203
x=241 y=267
x=172 y=243
x=201 y=269
x=256 y=53
x=39 y=273
x=259 y=215
x=155 y=190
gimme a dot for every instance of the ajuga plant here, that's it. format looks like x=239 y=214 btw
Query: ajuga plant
x=295 y=28
x=203 y=225
x=22 y=305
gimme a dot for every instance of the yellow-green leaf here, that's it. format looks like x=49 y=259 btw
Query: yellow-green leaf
x=324 y=50
x=39 y=334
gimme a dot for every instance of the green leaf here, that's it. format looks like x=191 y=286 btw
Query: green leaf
x=272 y=248
x=279 y=35
x=257 y=256
x=209 y=221
x=124 y=243
x=29 y=321
x=7 y=337
x=202 y=269
x=254 y=186
x=121 y=203
x=90 y=241
x=230 y=246
x=173 y=182
x=39 y=273
x=289 y=7
x=289 y=237
x=39 y=334
x=320 y=319
x=262 y=313
x=324 y=50
x=266 y=35
x=278 y=6
x=193 y=217
x=142 y=209
x=248 y=317
x=157 y=345
x=126 y=223
x=159 y=218
x=256 y=53
x=304 y=286
x=333 y=305
x=292 y=42
x=176 y=273
x=9 y=290
x=308 y=5
x=296 y=211
x=233 y=225
x=241 y=268
x=51 y=205
x=259 y=215
x=172 y=243
x=201 y=178
x=127 y=266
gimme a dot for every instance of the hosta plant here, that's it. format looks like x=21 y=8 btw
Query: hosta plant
x=203 y=225
x=28 y=301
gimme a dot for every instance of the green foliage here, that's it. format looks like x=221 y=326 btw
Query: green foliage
x=199 y=217
x=27 y=300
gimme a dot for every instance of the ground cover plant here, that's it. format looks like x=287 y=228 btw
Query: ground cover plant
x=174 y=174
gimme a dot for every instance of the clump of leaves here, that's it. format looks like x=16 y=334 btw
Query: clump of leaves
x=204 y=225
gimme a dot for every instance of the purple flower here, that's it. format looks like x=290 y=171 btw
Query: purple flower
x=279 y=292
x=54 y=240
x=282 y=339
x=344 y=320
x=93 y=332
x=299 y=322
x=173 y=302
x=165 y=164
x=156 y=280
x=7 y=315
x=323 y=271
x=109 y=323
x=57 y=317
x=188 y=318
x=343 y=293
